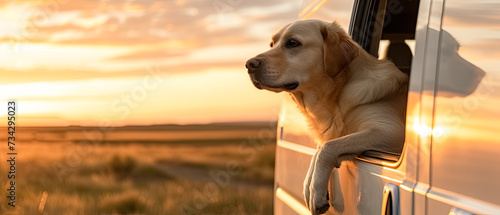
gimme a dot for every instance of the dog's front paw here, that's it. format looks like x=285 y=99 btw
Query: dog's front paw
x=307 y=181
x=316 y=189
x=316 y=183
x=313 y=198
x=318 y=199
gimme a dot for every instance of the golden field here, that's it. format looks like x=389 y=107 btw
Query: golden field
x=167 y=169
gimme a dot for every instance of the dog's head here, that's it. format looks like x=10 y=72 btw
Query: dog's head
x=302 y=53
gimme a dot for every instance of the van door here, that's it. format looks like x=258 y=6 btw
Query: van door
x=429 y=22
x=416 y=155
x=465 y=154
x=382 y=182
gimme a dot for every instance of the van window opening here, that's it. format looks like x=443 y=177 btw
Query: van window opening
x=386 y=29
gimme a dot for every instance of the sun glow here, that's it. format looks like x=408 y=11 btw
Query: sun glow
x=181 y=98
x=77 y=64
x=422 y=130
x=425 y=130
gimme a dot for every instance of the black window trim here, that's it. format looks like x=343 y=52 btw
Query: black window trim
x=364 y=24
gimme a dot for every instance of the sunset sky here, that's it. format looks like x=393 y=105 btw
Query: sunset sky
x=81 y=62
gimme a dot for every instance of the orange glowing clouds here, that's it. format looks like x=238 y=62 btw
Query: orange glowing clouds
x=81 y=62
x=154 y=98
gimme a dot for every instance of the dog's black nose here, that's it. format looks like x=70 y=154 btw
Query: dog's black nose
x=252 y=64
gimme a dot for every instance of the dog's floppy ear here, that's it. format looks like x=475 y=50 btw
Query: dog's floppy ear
x=339 y=49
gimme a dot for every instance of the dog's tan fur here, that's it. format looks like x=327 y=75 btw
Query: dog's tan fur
x=353 y=101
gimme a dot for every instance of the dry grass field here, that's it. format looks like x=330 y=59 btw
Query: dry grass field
x=209 y=169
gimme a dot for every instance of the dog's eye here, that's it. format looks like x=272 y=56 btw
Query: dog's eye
x=271 y=44
x=292 y=43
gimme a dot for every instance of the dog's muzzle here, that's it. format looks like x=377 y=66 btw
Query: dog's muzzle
x=256 y=70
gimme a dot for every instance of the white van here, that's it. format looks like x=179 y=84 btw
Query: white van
x=451 y=160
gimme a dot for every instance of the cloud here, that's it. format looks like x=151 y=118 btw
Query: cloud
x=472 y=15
x=73 y=57
x=194 y=35
x=148 y=55
x=151 y=22
x=57 y=74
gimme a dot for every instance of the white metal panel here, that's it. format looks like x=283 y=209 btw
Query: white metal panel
x=371 y=181
x=428 y=88
x=412 y=157
x=297 y=206
x=466 y=144
x=425 y=63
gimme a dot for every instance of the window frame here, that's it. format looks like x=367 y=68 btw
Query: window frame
x=366 y=28
x=364 y=23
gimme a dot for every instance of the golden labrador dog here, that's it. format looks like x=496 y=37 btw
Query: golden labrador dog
x=353 y=101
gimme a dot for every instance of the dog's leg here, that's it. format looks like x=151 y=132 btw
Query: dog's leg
x=331 y=155
x=307 y=180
